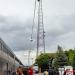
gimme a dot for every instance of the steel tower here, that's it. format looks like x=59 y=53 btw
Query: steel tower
x=40 y=30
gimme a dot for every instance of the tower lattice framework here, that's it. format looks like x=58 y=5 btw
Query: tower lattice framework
x=40 y=30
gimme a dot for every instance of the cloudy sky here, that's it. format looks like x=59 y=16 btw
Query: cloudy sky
x=16 y=18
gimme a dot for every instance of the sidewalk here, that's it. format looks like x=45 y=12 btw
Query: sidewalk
x=40 y=73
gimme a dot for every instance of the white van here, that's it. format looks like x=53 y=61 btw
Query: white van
x=68 y=70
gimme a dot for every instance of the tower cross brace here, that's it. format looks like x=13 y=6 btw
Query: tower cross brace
x=40 y=30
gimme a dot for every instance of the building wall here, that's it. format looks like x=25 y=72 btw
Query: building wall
x=8 y=60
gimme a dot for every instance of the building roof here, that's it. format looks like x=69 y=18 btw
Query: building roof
x=6 y=49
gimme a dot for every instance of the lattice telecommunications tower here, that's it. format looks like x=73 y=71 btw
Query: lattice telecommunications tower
x=40 y=30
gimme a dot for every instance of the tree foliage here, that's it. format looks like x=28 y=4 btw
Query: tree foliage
x=43 y=60
x=60 y=58
x=71 y=55
x=74 y=61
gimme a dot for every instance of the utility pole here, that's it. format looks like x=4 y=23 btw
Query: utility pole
x=40 y=30
x=14 y=62
x=29 y=58
x=32 y=61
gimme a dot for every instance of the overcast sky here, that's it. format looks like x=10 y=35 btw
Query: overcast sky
x=16 y=22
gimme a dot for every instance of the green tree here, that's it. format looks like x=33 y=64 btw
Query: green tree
x=42 y=59
x=70 y=55
x=74 y=61
x=61 y=58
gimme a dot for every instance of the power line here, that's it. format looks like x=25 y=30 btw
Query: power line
x=33 y=21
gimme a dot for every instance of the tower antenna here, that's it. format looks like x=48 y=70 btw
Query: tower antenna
x=40 y=30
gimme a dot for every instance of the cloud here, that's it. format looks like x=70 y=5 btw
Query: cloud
x=16 y=22
x=19 y=32
x=23 y=55
x=59 y=27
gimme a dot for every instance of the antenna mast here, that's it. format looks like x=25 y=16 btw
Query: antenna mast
x=40 y=31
